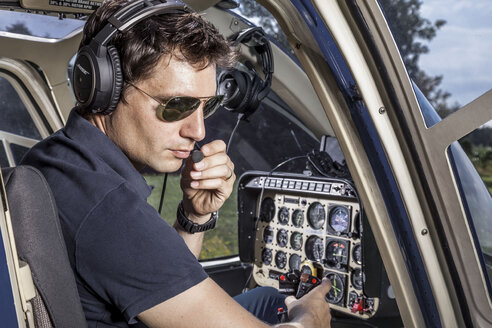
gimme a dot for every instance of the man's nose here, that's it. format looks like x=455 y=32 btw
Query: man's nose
x=194 y=125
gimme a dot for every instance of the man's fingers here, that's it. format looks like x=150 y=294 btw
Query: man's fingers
x=289 y=299
x=210 y=184
x=214 y=147
x=222 y=171
x=212 y=161
x=325 y=286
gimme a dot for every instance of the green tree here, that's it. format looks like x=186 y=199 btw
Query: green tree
x=467 y=146
x=253 y=10
x=19 y=28
x=412 y=32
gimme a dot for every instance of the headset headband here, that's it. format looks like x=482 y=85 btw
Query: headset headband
x=255 y=37
x=137 y=11
x=244 y=89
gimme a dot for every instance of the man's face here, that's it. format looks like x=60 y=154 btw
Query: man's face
x=144 y=138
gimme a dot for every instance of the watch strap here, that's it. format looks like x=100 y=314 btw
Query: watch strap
x=192 y=227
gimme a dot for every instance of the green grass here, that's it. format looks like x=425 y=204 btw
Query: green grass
x=488 y=182
x=481 y=157
x=221 y=241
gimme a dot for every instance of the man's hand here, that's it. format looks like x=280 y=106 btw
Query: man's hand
x=207 y=184
x=312 y=310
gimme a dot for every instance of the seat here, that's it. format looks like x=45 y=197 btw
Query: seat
x=40 y=243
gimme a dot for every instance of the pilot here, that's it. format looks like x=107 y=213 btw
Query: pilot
x=130 y=266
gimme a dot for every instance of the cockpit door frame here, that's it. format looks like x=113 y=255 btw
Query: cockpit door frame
x=418 y=158
x=302 y=25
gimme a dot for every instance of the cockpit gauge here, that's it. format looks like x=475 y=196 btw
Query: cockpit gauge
x=353 y=297
x=296 y=241
x=283 y=215
x=357 y=254
x=316 y=215
x=267 y=211
x=339 y=220
x=337 y=254
x=369 y=305
x=307 y=266
x=280 y=259
x=282 y=238
x=314 y=248
x=294 y=262
x=266 y=256
x=357 y=231
x=268 y=235
x=298 y=218
x=335 y=295
x=358 y=278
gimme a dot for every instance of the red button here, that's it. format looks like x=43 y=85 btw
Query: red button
x=314 y=280
x=282 y=277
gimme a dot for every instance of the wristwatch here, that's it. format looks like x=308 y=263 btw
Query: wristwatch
x=192 y=227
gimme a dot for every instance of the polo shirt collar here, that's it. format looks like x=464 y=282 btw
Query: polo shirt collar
x=85 y=133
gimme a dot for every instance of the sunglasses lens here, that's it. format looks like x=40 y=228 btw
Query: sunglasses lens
x=178 y=108
x=211 y=105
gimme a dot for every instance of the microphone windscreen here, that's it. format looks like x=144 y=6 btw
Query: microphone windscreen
x=196 y=156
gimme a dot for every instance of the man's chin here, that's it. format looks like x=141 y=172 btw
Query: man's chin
x=169 y=166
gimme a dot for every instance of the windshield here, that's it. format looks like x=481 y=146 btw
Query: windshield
x=37 y=25
x=476 y=197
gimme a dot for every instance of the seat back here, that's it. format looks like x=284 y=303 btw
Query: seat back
x=40 y=243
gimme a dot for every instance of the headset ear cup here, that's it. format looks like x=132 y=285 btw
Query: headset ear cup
x=114 y=58
x=235 y=86
x=253 y=101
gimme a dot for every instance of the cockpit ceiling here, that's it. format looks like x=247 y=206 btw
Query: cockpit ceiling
x=77 y=7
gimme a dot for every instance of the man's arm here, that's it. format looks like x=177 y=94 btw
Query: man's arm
x=206 y=186
x=207 y=305
x=193 y=241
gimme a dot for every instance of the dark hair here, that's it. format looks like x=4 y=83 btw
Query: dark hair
x=186 y=36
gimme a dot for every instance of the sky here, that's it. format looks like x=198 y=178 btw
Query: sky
x=461 y=50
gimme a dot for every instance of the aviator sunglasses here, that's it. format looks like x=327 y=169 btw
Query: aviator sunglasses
x=179 y=107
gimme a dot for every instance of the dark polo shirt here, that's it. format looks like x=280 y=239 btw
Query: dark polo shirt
x=126 y=259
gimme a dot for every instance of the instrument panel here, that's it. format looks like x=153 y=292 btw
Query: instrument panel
x=311 y=225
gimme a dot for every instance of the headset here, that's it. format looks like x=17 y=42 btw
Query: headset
x=97 y=75
x=244 y=90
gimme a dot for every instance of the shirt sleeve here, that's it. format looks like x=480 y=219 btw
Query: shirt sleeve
x=130 y=257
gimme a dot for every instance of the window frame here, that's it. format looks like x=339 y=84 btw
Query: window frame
x=461 y=295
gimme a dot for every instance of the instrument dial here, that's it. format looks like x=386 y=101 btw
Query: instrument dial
x=357 y=225
x=268 y=234
x=296 y=241
x=307 y=268
x=283 y=215
x=357 y=254
x=314 y=248
x=316 y=215
x=280 y=259
x=294 y=262
x=339 y=219
x=337 y=254
x=266 y=256
x=353 y=297
x=282 y=238
x=370 y=305
x=358 y=279
x=267 y=211
x=298 y=218
x=335 y=295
